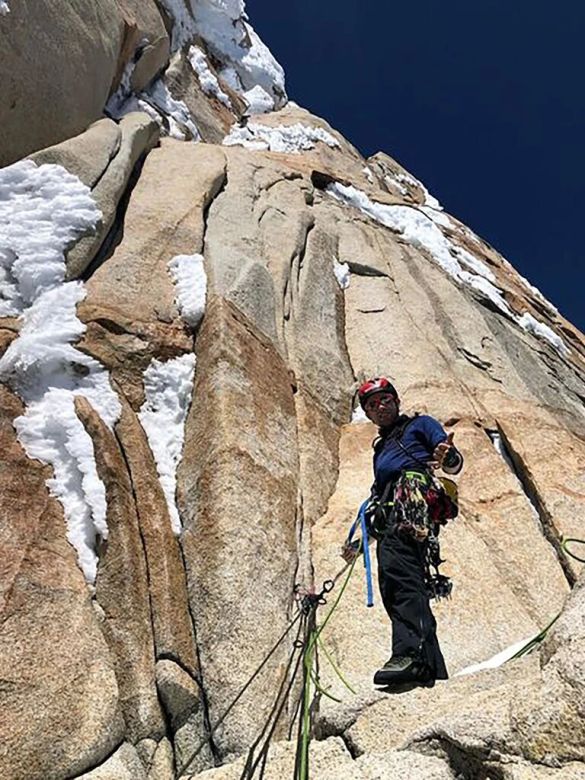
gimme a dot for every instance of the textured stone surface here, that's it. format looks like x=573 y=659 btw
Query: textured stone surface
x=165 y=217
x=122 y=586
x=173 y=631
x=272 y=474
x=86 y=155
x=213 y=118
x=58 y=695
x=238 y=497
x=150 y=40
x=69 y=84
x=183 y=702
x=138 y=134
x=124 y=764
x=329 y=760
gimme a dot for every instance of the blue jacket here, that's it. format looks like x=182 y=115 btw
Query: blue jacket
x=420 y=437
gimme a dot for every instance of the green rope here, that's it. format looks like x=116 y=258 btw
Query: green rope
x=565 y=542
x=535 y=640
x=334 y=666
x=313 y=637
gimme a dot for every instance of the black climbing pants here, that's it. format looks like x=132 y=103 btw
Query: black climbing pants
x=402 y=586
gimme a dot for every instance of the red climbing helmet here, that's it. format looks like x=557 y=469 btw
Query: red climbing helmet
x=377 y=385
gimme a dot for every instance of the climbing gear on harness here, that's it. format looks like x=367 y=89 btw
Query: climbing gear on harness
x=444 y=496
x=376 y=385
x=403 y=669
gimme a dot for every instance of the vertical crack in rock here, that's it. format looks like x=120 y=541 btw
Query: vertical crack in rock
x=549 y=530
x=215 y=751
x=116 y=232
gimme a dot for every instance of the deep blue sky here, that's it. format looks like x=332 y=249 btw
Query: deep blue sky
x=483 y=101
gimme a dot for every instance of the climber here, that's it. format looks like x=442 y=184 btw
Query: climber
x=406 y=507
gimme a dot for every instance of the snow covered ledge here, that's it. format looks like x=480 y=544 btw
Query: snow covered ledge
x=43 y=210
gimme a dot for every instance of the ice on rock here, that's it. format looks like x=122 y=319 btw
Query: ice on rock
x=224 y=26
x=188 y=274
x=43 y=209
x=290 y=139
x=168 y=387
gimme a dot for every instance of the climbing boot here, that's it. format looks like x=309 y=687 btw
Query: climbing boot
x=404 y=669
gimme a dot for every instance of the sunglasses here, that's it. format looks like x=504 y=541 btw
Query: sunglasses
x=379 y=401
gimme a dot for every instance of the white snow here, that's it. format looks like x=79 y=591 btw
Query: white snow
x=207 y=78
x=394 y=184
x=176 y=110
x=168 y=387
x=258 y=100
x=359 y=415
x=417 y=229
x=224 y=26
x=542 y=331
x=499 y=445
x=368 y=174
x=188 y=274
x=496 y=660
x=184 y=28
x=536 y=292
x=342 y=273
x=291 y=139
x=43 y=209
x=157 y=101
x=4 y=9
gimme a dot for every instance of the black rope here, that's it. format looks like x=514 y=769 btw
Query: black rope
x=274 y=716
x=308 y=603
x=226 y=712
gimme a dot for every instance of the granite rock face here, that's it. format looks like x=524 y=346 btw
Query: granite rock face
x=234 y=462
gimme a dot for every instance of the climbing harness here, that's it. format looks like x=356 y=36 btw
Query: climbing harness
x=302 y=658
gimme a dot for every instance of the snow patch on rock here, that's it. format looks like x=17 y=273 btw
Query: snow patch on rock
x=224 y=26
x=342 y=273
x=168 y=387
x=172 y=116
x=258 y=100
x=207 y=78
x=188 y=274
x=4 y=9
x=290 y=139
x=542 y=331
x=417 y=229
x=43 y=210
x=496 y=660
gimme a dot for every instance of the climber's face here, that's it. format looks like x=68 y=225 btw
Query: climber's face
x=381 y=409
